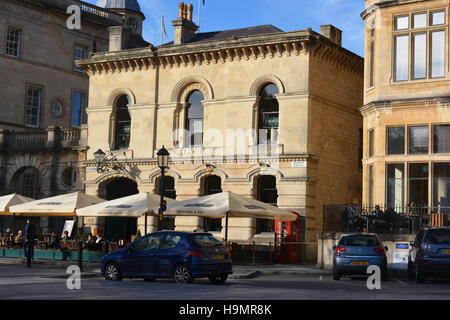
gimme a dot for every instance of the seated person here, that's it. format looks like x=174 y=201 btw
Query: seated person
x=90 y=242
x=53 y=242
x=10 y=242
x=19 y=239
x=99 y=242
x=65 y=237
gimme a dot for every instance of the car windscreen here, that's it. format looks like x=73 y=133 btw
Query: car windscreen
x=438 y=237
x=360 y=241
x=205 y=241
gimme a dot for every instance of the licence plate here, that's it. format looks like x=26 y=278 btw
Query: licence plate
x=360 y=263
x=446 y=251
x=218 y=257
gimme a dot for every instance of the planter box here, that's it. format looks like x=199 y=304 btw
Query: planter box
x=13 y=253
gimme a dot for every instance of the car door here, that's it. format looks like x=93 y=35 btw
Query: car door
x=168 y=255
x=132 y=257
x=148 y=260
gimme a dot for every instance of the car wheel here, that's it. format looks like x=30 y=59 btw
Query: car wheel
x=420 y=276
x=411 y=273
x=218 y=278
x=149 y=279
x=112 y=272
x=182 y=274
x=336 y=275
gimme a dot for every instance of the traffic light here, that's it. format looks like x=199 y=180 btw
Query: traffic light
x=163 y=206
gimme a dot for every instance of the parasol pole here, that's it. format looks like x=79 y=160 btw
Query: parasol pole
x=226 y=230
x=145 y=228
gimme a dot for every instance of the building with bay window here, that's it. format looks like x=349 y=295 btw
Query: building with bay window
x=264 y=113
x=406 y=104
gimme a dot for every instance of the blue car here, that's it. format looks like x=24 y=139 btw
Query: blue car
x=429 y=254
x=178 y=255
x=355 y=253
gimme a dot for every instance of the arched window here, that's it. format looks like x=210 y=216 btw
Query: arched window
x=194 y=119
x=267 y=193
x=268 y=115
x=122 y=124
x=212 y=185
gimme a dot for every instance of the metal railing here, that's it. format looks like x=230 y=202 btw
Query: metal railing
x=384 y=219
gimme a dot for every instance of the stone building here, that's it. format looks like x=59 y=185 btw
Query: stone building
x=406 y=103
x=44 y=94
x=261 y=112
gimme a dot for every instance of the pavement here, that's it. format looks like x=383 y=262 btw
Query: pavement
x=91 y=270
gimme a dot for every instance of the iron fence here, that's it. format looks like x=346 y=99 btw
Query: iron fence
x=383 y=219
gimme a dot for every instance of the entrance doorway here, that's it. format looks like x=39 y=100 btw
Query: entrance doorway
x=212 y=185
x=120 y=228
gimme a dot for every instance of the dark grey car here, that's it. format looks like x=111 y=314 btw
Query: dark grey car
x=429 y=254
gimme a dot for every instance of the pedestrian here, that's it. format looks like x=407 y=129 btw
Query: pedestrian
x=30 y=234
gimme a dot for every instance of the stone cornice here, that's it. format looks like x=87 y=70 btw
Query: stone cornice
x=245 y=48
x=405 y=103
x=386 y=4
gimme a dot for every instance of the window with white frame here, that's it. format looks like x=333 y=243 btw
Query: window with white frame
x=13 y=39
x=419 y=45
x=33 y=106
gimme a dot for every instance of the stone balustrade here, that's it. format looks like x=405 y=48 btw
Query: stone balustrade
x=50 y=139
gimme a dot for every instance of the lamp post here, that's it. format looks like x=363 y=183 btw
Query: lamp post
x=163 y=163
x=104 y=163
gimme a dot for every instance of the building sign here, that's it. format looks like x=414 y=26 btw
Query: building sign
x=402 y=246
x=298 y=164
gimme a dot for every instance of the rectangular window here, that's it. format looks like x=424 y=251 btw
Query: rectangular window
x=402 y=58
x=370 y=186
x=78 y=111
x=33 y=106
x=420 y=20
x=402 y=23
x=420 y=56
x=418 y=140
x=438 y=54
x=396 y=140
x=442 y=139
x=371 y=143
x=441 y=185
x=438 y=18
x=79 y=54
x=13 y=39
x=418 y=184
x=371 y=64
x=395 y=184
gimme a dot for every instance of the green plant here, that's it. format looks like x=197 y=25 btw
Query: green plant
x=138 y=234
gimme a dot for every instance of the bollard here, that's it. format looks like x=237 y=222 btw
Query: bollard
x=29 y=251
x=253 y=249
x=80 y=255
x=270 y=252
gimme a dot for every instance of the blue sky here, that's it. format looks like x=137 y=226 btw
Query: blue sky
x=288 y=15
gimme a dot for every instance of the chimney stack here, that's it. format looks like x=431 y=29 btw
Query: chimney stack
x=332 y=33
x=185 y=28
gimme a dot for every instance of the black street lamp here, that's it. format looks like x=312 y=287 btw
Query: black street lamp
x=105 y=163
x=163 y=163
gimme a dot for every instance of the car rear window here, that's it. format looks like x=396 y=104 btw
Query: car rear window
x=438 y=237
x=205 y=241
x=360 y=241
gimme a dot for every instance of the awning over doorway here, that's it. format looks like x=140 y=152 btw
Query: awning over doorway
x=63 y=205
x=11 y=200
x=132 y=206
x=220 y=204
